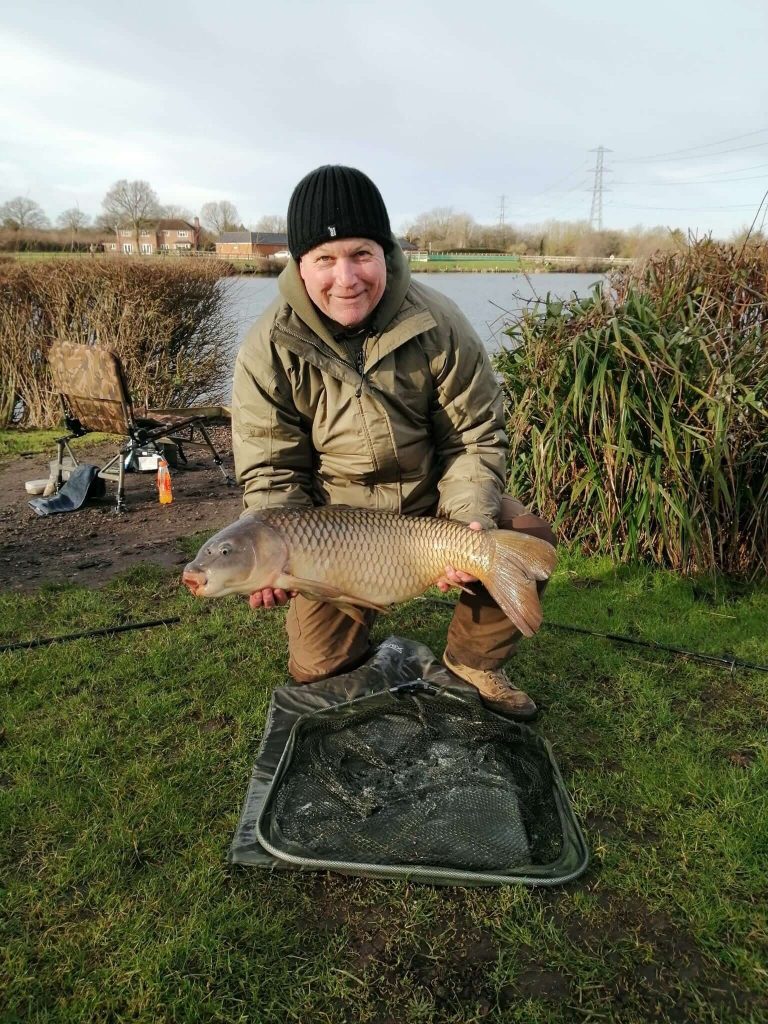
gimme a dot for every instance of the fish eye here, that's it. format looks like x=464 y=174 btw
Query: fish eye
x=224 y=550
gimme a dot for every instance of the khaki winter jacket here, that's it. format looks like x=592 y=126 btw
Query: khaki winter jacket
x=416 y=428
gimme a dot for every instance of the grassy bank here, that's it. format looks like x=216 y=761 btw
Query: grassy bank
x=125 y=761
x=15 y=443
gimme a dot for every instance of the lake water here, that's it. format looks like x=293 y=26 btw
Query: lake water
x=488 y=301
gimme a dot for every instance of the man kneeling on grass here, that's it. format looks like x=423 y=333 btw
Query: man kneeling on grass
x=360 y=387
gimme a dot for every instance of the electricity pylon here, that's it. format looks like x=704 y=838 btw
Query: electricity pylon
x=596 y=212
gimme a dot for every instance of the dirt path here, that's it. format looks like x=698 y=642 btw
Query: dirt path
x=91 y=545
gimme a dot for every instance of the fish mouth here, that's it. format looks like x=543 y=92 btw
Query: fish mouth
x=194 y=580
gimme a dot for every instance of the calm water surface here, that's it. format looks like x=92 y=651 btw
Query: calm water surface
x=488 y=301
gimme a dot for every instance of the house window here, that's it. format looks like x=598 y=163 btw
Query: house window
x=125 y=232
x=164 y=245
x=127 y=248
x=182 y=234
x=145 y=231
x=146 y=248
x=113 y=245
x=183 y=245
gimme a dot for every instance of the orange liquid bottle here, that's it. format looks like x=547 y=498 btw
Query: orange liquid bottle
x=164 y=489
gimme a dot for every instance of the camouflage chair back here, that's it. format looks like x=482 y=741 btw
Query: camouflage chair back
x=95 y=397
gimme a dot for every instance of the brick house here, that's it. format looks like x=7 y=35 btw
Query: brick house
x=251 y=243
x=169 y=235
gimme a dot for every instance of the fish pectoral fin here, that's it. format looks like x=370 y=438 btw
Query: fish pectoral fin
x=349 y=603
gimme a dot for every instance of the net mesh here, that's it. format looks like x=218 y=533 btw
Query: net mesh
x=423 y=780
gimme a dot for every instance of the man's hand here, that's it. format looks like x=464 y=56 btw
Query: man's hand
x=456 y=577
x=269 y=598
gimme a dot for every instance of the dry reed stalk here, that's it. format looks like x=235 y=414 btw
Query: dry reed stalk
x=167 y=322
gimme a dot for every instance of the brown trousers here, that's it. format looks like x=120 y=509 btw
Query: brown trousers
x=323 y=641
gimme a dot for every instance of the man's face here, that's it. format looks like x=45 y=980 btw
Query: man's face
x=345 y=279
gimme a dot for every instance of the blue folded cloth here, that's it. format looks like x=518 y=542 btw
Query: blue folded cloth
x=83 y=482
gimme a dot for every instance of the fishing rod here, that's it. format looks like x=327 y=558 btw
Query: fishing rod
x=713 y=659
x=620 y=638
x=107 y=631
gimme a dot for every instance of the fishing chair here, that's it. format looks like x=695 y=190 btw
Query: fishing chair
x=95 y=397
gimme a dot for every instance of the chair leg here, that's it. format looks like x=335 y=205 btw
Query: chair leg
x=59 y=463
x=215 y=454
x=120 y=506
x=62 y=446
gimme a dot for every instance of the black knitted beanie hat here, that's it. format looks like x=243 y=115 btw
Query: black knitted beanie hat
x=335 y=202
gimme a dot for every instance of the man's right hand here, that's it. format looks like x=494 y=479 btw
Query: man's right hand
x=269 y=598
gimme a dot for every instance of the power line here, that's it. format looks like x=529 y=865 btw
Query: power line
x=553 y=186
x=731 y=170
x=690 y=209
x=695 y=181
x=696 y=156
x=703 y=145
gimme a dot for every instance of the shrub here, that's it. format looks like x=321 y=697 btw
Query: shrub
x=167 y=322
x=638 y=417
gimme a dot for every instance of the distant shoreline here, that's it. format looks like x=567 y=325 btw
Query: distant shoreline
x=265 y=267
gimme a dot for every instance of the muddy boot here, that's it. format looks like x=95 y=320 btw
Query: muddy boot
x=496 y=690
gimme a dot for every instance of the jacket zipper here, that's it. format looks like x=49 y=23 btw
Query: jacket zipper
x=359 y=367
x=323 y=351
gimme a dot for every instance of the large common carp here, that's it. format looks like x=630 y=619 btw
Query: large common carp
x=356 y=558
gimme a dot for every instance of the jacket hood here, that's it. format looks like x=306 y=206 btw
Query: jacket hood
x=293 y=291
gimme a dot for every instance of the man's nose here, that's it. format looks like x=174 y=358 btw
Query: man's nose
x=346 y=273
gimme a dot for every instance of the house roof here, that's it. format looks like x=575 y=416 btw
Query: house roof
x=173 y=224
x=255 y=237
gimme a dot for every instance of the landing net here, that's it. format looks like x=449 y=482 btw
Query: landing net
x=425 y=779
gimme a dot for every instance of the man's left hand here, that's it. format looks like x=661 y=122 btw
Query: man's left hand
x=456 y=577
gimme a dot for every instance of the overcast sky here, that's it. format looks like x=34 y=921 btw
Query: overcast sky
x=443 y=103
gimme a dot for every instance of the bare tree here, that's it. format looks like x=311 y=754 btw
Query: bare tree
x=21 y=213
x=174 y=212
x=72 y=220
x=109 y=224
x=220 y=216
x=443 y=228
x=131 y=203
x=273 y=222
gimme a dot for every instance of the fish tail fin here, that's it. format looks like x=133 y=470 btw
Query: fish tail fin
x=518 y=561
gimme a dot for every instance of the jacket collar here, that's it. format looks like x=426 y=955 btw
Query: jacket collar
x=396 y=319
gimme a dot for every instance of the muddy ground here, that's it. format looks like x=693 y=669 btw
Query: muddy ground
x=93 y=544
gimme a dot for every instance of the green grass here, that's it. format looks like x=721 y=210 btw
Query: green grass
x=14 y=443
x=124 y=762
x=511 y=265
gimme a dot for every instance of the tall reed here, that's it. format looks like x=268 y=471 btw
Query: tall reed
x=168 y=322
x=638 y=417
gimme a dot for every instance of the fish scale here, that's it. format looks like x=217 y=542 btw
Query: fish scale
x=384 y=553
x=358 y=558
